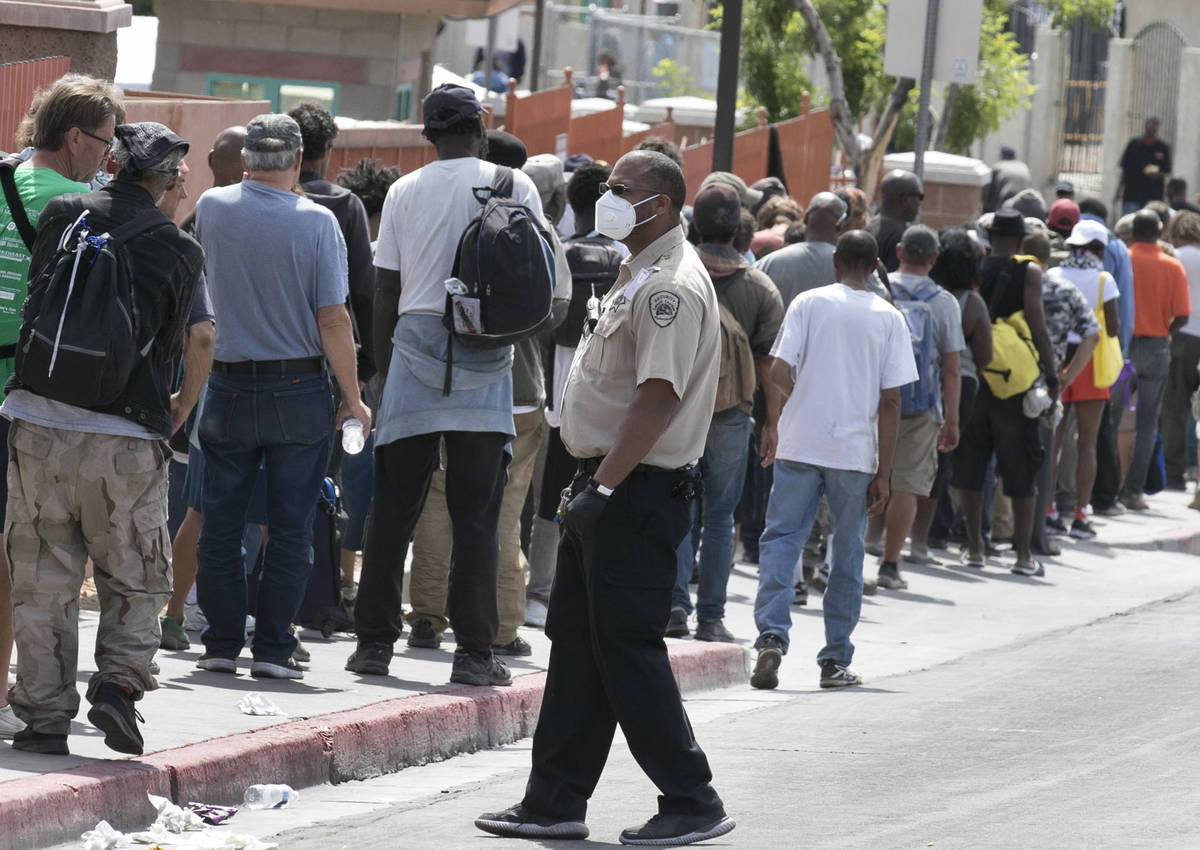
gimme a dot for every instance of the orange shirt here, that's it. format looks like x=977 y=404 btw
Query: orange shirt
x=1160 y=291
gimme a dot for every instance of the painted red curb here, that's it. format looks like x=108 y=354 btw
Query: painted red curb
x=358 y=743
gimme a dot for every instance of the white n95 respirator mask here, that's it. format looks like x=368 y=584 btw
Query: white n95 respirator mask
x=616 y=217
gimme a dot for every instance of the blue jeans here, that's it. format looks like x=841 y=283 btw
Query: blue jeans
x=724 y=467
x=1151 y=358
x=795 y=495
x=286 y=421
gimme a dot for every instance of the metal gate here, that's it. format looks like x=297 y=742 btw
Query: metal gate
x=1157 y=54
x=1082 y=152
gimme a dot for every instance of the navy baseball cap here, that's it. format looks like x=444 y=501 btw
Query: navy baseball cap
x=449 y=104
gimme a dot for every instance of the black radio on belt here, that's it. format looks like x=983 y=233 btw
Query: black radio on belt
x=690 y=486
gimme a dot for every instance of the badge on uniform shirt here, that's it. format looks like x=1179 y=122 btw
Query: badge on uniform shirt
x=664 y=307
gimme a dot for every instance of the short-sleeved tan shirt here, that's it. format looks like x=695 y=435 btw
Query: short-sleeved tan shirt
x=659 y=320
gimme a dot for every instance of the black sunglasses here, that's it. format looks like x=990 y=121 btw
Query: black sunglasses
x=619 y=189
x=108 y=143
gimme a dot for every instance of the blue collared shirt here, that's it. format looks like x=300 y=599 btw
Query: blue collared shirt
x=1117 y=264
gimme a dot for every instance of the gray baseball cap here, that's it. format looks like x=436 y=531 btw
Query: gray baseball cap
x=275 y=126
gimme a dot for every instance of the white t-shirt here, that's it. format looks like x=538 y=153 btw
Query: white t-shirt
x=1189 y=255
x=845 y=346
x=424 y=215
x=1087 y=281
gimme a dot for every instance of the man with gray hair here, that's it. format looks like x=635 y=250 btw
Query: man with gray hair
x=91 y=482
x=282 y=328
x=929 y=405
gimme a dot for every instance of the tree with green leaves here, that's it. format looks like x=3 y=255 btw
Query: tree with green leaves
x=848 y=36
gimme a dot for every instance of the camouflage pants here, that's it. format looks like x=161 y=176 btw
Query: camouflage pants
x=74 y=495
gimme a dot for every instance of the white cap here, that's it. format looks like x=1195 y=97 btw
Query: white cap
x=1085 y=232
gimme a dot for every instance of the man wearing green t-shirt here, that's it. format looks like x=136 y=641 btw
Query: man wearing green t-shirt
x=72 y=129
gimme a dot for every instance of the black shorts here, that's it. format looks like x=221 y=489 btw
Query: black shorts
x=1000 y=427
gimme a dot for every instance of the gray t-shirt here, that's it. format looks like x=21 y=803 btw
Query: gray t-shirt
x=947 y=318
x=272 y=258
x=798 y=268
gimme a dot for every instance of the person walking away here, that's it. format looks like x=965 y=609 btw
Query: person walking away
x=635 y=411
x=751 y=312
x=830 y=430
x=1145 y=164
x=901 y=194
x=929 y=406
x=282 y=328
x=956 y=271
x=1010 y=284
x=1163 y=306
x=88 y=467
x=70 y=131
x=423 y=217
x=1083 y=269
x=595 y=262
x=805 y=265
x=1183 y=380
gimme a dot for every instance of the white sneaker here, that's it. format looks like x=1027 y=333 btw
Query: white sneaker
x=535 y=613
x=249 y=624
x=10 y=724
x=194 y=619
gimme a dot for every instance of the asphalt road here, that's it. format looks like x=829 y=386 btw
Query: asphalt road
x=1088 y=737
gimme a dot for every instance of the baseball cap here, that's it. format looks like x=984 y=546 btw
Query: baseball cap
x=449 y=104
x=717 y=210
x=148 y=143
x=505 y=149
x=576 y=160
x=747 y=196
x=1064 y=188
x=1086 y=232
x=1063 y=215
x=281 y=128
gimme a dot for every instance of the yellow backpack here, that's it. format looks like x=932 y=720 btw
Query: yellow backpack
x=1014 y=365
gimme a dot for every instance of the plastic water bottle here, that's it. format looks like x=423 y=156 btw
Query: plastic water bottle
x=352 y=436
x=269 y=796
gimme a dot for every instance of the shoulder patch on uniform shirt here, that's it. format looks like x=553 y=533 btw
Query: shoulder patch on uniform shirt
x=664 y=307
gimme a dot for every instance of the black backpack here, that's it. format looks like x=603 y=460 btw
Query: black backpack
x=595 y=261
x=502 y=283
x=79 y=339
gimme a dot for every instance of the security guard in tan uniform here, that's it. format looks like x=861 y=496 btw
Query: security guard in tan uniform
x=635 y=411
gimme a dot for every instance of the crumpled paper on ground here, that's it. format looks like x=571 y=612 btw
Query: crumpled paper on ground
x=259 y=705
x=173 y=827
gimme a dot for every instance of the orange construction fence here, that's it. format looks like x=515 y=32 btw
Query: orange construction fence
x=18 y=82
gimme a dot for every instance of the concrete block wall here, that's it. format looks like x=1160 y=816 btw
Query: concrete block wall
x=368 y=54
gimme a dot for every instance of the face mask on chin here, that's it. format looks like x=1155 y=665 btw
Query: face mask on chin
x=616 y=217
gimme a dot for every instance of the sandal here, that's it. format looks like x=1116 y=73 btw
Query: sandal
x=1033 y=569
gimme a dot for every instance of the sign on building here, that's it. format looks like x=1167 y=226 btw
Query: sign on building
x=957 y=52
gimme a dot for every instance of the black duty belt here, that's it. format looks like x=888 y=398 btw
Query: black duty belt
x=301 y=366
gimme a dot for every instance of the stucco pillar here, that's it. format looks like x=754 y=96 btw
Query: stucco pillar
x=1186 y=156
x=1116 y=117
x=85 y=30
x=1044 y=128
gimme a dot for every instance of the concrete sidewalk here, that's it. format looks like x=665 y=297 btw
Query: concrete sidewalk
x=341 y=726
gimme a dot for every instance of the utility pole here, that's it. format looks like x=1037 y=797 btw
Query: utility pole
x=727 y=81
x=535 y=71
x=931 y=29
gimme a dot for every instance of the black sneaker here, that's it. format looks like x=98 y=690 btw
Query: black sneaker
x=677 y=626
x=424 y=635
x=766 y=668
x=834 y=675
x=370 y=659
x=518 y=647
x=41 y=743
x=1055 y=525
x=1081 y=529
x=672 y=830
x=820 y=580
x=112 y=712
x=519 y=822
x=800 y=594
x=217 y=664
x=477 y=668
x=889 y=577
x=715 y=631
